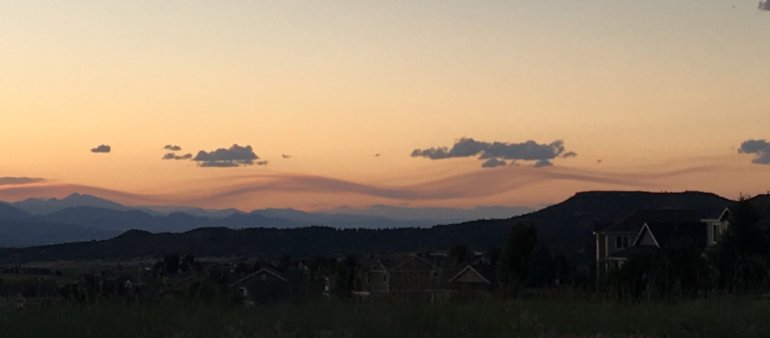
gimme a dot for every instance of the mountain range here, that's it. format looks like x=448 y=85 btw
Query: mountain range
x=565 y=227
x=80 y=217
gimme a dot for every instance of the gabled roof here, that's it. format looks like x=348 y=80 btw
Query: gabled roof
x=645 y=231
x=669 y=234
x=469 y=271
x=414 y=259
x=724 y=215
x=267 y=271
x=635 y=221
x=372 y=264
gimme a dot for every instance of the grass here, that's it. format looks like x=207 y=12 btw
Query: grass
x=723 y=317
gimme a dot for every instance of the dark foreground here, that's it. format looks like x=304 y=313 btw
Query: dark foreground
x=724 y=317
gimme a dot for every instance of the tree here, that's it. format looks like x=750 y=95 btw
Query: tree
x=740 y=258
x=188 y=263
x=171 y=263
x=514 y=263
x=678 y=271
x=460 y=254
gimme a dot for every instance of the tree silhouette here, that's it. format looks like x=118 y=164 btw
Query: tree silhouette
x=740 y=258
x=514 y=263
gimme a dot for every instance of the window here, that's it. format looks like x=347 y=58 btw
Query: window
x=621 y=242
x=715 y=233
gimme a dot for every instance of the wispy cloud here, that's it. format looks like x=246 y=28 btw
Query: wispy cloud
x=20 y=180
x=101 y=149
x=171 y=147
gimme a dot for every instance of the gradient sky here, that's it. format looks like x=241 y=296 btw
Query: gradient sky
x=651 y=95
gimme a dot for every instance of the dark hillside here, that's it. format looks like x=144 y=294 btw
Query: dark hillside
x=566 y=227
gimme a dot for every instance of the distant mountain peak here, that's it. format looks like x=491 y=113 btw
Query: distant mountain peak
x=46 y=206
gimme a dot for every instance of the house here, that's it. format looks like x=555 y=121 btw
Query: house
x=430 y=275
x=376 y=277
x=415 y=274
x=647 y=230
x=717 y=226
x=264 y=285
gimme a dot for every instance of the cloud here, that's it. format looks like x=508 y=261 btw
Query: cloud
x=530 y=150
x=101 y=149
x=172 y=156
x=171 y=147
x=20 y=180
x=235 y=156
x=261 y=162
x=759 y=148
x=492 y=163
x=764 y=5
x=285 y=156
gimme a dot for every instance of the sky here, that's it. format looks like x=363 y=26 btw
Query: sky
x=322 y=104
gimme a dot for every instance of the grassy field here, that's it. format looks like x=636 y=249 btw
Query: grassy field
x=724 y=317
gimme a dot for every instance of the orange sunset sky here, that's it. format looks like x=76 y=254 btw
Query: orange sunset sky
x=347 y=101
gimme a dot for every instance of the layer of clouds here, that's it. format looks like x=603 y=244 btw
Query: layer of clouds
x=101 y=149
x=759 y=148
x=479 y=183
x=228 y=191
x=20 y=180
x=172 y=156
x=235 y=156
x=495 y=154
x=171 y=147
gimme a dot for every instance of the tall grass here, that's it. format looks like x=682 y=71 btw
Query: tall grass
x=723 y=317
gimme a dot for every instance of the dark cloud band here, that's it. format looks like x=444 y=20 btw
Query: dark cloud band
x=495 y=154
x=235 y=156
x=172 y=156
x=20 y=180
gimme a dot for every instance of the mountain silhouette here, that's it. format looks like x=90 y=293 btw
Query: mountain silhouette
x=565 y=227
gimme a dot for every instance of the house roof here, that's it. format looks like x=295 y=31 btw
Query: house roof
x=265 y=270
x=635 y=221
x=414 y=262
x=669 y=234
x=666 y=235
x=469 y=271
x=722 y=216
